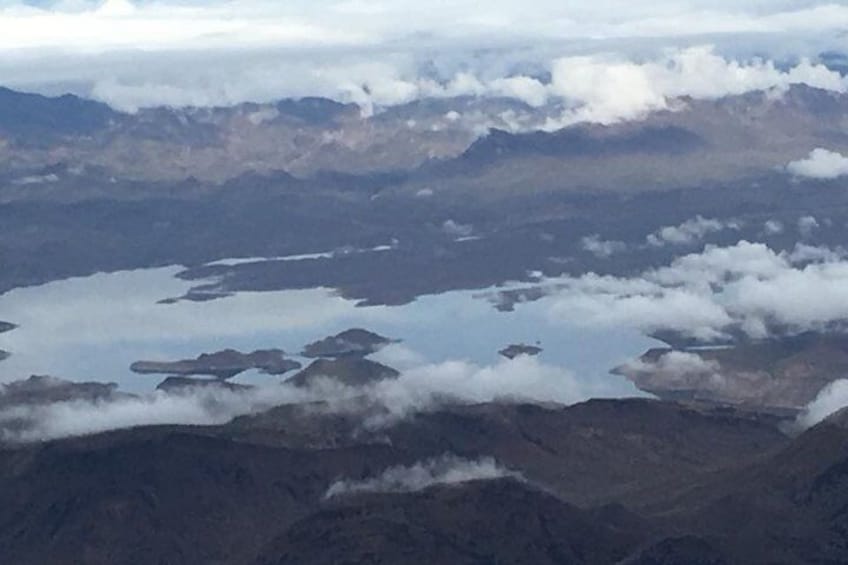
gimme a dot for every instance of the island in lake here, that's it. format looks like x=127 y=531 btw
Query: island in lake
x=517 y=350
x=354 y=342
x=223 y=365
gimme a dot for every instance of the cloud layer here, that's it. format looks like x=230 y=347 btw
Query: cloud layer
x=420 y=388
x=599 y=62
x=103 y=24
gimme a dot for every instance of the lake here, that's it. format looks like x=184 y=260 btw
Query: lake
x=93 y=328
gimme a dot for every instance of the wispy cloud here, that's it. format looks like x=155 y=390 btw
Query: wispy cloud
x=445 y=470
x=832 y=399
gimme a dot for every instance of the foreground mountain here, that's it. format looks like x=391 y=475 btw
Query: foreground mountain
x=253 y=491
x=522 y=525
x=788 y=508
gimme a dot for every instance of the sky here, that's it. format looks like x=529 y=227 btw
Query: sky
x=134 y=54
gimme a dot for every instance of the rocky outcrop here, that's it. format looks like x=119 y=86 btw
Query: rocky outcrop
x=350 y=371
x=355 y=342
x=185 y=384
x=222 y=365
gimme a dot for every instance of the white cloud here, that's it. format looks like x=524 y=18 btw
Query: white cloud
x=445 y=470
x=399 y=356
x=600 y=248
x=773 y=227
x=688 y=232
x=821 y=164
x=745 y=288
x=609 y=89
x=831 y=399
x=102 y=24
x=36 y=179
x=807 y=225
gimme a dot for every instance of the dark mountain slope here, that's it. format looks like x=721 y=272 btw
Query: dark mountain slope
x=788 y=508
x=480 y=522
x=597 y=452
x=157 y=496
x=221 y=495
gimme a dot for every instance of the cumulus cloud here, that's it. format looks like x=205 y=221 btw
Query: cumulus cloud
x=820 y=164
x=675 y=363
x=746 y=289
x=773 y=227
x=607 y=90
x=803 y=253
x=445 y=470
x=831 y=399
x=676 y=369
x=601 y=248
x=690 y=231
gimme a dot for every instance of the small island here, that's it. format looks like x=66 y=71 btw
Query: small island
x=41 y=390
x=517 y=350
x=349 y=371
x=6 y=326
x=354 y=343
x=177 y=385
x=222 y=365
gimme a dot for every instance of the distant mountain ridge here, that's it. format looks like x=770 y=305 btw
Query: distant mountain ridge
x=446 y=138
